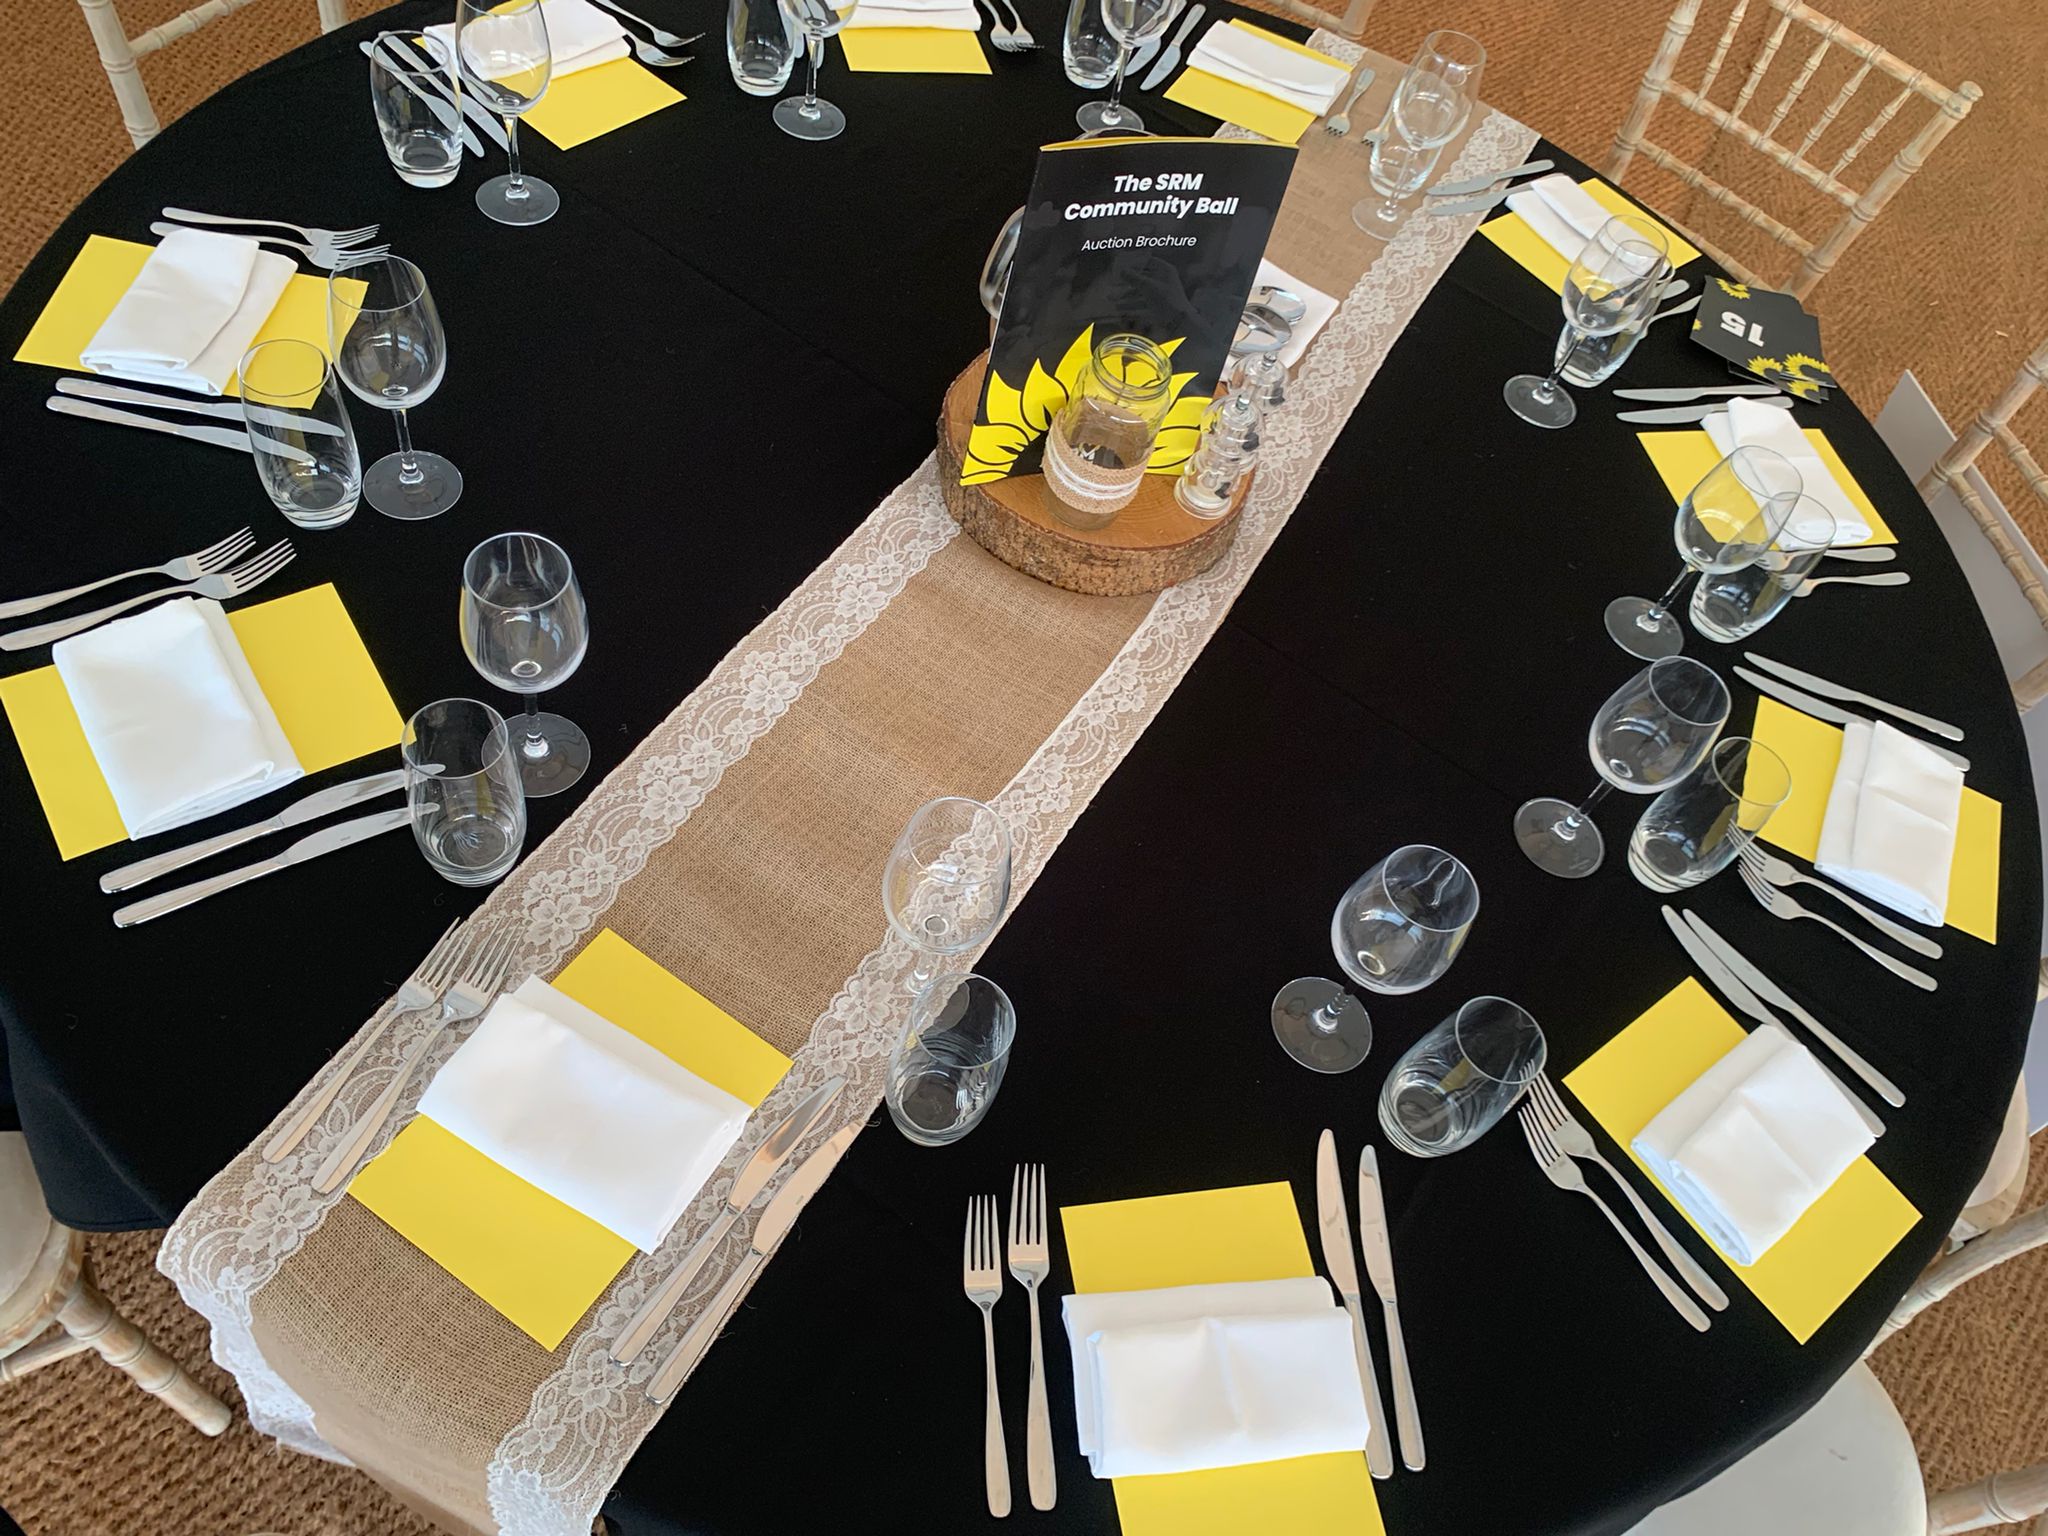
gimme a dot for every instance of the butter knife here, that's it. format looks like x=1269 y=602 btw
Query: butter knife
x=1703 y=392
x=321 y=803
x=775 y=1222
x=1379 y=1267
x=1335 y=1225
x=1482 y=183
x=440 y=106
x=752 y=1179
x=219 y=410
x=1820 y=709
x=327 y=840
x=1826 y=689
x=1678 y=415
x=1171 y=56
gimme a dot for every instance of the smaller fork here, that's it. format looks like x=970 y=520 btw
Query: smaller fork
x=661 y=36
x=1021 y=40
x=333 y=241
x=1784 y=875
x=219 y=587
x=1004 y=39
x=333 y=257
x=1030 y=1262
x=482 y=979
x=185 y=568
x=1782 y=904
x=1341 y=123
x=981 y=1274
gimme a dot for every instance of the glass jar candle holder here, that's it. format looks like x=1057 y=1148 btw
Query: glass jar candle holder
x=1099 y=444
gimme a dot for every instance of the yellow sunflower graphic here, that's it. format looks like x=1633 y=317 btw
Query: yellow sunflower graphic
x=1733 y=290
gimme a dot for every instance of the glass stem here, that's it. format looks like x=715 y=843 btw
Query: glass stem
x=1326 y=1018
x=409 y=471
x=535 y=745
x=1114 y=112
x=1547 y=390
x=1568 y=828
x=1657 y=615
x=814 y=51
x=517 y=190
x=921 y=973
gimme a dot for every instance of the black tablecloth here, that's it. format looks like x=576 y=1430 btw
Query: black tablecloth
x=1420 y=652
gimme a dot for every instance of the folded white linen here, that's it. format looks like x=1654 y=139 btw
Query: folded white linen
x=586 y=1111
x=1320 y=307
x=1564 y=213
x=580 y=36
x=1748 y=1147
x=1232 y=53
x=1750 y=425
x=1890 y=827
x=173 y=715
x=935 y=18
x=191 y=312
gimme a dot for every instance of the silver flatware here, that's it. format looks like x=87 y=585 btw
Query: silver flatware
x=1478 y=204
x=1784 y=875
x=1340 y=124
x=1020 y=35
x=1669 y=310
x=319 y=256
x=245 y=577
x=654 y=58
x=327 y=840
x=323 y=802
x=1882 y=579
x=443 y=109
x=1828 y=690
x=219 y=410
x=1746 y=1002
x=220 y=437
x=999 y=30
x=1768 y=991
x=1335 y=1225
x=1164 y=64
x=1679 y=414
x=1284 y=302
x=190 y=567
x=1030 y=1263
x=331 y=244
x=1865 y=554
x=766 y=1162
x=1783 y=904
x=1705 y=392
x=981 y=1276
x=1564 y=1173
x=1483 y=183
x=1145 y=50
x=665 y=38
x=1821 y=709
x=774 y=1225
x=486 y=122
x=1379 y=1268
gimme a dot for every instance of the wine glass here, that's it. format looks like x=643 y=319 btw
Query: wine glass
x=502 y=50
x=1436 y=95
x=1725 y=522
x=524 y=627
x=805 y=116
x=389 y=348
x=1397 y=171
x=1132 y=23
x=947 y=880
x=1653 y=731
x=1615 y=275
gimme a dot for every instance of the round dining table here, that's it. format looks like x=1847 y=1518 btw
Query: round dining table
x=725 y=349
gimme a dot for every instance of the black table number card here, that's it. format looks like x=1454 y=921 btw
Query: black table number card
x=1765 y=334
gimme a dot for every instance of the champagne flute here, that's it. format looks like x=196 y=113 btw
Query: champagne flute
x=806 y=116
x=1436 y=95
x=1132 y=23
x=1615 y=274
x=502 y=50
x=388 y=346
x=524 y=627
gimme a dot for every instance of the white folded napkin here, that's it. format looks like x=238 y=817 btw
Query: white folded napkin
x=942 y=18
x=1762 y=1134
x=1198 y=1376
x=1320 y=307
x=1890 y=828
x=1750 y=425
x=173 y=715
x=580 y=36
x=1232 y=53
x=579 y=1107
x=1564 y=213
x=191 y=312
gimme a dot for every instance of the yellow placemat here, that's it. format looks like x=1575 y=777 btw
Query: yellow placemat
x=1214 y=1236
x=103 y=270
x=1813 y=1268
x=1532 y=252
x=1683 y=459
x=592 y=102
x=534 y=1259
x=1279 y=120
x=1812 y=749
x=914 y=51
x=309 y=662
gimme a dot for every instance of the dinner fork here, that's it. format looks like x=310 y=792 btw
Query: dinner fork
x=220 y=587
x=332 y=258
x=1021 y=39
x=998 y=33
x=333 y=241
x=1030 y=1262
x=482 y=979
x=665 y=38
x=1783 y=904
x=185 y=568
x=1341 y=123
x=1564 y=1173
x=1575 y=1141
x=421 y=990
x=654 y=58
x=1784 y=875
x=981 y=1273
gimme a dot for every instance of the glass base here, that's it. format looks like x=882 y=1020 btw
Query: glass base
x=540 y=203
x=1569 y=858
x=562 y=764
x=1370 y=214
x=1335 y=1046
x=1524 y=397
x=1096 y=117
x=439 y=487
x=821 y=121
x=1634 y=624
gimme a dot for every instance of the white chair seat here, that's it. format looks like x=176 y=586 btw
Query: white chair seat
x=24 y=1219
x=1847 y=1468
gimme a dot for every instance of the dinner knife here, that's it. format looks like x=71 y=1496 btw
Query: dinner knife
x=1826 y=689
x=492 y=128
x=1336 y=1229
x=1482 y=183
x=1747 y=1001
x=1820 y=709
x=220 y=410
x=1379 y=1267
x=776 y=1221
x=1150 y=46
x=321 y=803
x=327 y=840
x=1474 y=204
x=1167 y=60
x=441 y=107
x=1704 y=392
x=751 y=1180
x=220 y=437
x=1680 y=414
x=1771 y=992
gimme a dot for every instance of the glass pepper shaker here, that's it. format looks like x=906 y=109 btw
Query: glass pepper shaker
x=1223 y=456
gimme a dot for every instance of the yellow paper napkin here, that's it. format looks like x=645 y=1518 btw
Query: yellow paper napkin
x=1815 y=1267
x=1682 y=460
x=1811 y=749
x=1216 y=1236
x=1536 y=254
x=534 y=1259
x=1281 y=121
x=592 y=102
x=103 y=270
x=310 y=663
x=913 y=51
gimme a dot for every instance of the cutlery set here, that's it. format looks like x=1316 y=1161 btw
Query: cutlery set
x=219 y=571
x=329 y=249
x=1029 y=1257
x=1692 y=415
x=1333 y=1220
